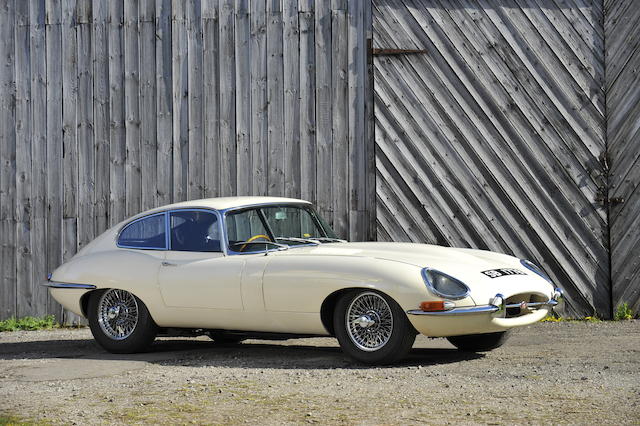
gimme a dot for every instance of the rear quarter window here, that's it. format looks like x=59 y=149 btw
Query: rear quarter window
x=145 y=233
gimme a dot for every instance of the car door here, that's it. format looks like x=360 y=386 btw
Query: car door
x=195 y=272
x=142 y=247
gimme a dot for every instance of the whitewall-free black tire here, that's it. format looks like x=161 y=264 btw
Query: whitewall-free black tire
x=120 y=322
x=372 y=328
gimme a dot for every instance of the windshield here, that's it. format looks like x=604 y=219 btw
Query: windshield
x=270 y=227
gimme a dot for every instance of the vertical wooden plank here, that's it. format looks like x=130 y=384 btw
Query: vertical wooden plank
x=117 y=143
x=292 y=94
x=133 y=176
x=275 y=99
x=85 y=129
x=69 y=125
x=258 y=70
x=324 y=174
x=243 y=100
x=180 y=102
x=228 y=159
x=148 y=143
x=369 y=130
x=24 y=296
x=100 y=55
x=164 y=102
x=70 y=161
x=307 y=103
x=38 y=154
x=54 y=142
x=357 y=173
x=195 y=98
x=211 y=67
x=340 y=119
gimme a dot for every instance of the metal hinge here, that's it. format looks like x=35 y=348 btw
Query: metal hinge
x=612 y=201
x=388 y=52
x=616 y=200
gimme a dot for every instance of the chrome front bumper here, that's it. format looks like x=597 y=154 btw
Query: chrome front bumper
x=497 y=305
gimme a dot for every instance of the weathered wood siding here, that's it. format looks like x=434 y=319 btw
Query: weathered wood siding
x=622 y=38
x=492 y=139
x=517 y=131
x=111 y=107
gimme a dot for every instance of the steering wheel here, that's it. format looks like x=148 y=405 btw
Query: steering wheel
x=255 y=237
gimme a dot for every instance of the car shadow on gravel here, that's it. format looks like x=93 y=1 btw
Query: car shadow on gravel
x=195 y=353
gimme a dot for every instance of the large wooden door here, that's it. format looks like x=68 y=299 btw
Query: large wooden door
x=494 y=138
x=623 y=139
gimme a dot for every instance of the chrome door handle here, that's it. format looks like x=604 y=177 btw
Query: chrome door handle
x=169 y=264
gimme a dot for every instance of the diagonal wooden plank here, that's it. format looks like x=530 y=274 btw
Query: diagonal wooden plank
x=506 y=136
x=622 y=29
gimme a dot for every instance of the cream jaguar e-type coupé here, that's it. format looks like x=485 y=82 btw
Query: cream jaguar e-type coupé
x=263 y=267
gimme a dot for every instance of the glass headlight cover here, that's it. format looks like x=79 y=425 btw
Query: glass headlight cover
x=534 y=268
x=444 y=285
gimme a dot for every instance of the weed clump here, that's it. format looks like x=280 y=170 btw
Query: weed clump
x=29 y=323
x=623 y=312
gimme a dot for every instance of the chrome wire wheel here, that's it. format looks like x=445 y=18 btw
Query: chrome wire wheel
x=369 y=321
x=118 y=314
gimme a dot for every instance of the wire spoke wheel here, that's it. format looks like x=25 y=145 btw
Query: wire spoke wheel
x=369 y=321
x=118 y=314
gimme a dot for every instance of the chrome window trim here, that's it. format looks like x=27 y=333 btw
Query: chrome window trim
x=224 y=213
x=221 y=215
x=223 y=248
x=167 y=225
x=167 y=231
x=137 y=220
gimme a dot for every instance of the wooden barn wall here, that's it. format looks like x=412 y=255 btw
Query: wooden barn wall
x=494 y=138
x=108 y=108
x=622 y=40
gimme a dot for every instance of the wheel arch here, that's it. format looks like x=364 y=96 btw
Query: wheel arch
x=84 y=300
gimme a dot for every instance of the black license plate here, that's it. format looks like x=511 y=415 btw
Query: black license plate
x=503 y=272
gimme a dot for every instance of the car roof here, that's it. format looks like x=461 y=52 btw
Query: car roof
x=223 y=203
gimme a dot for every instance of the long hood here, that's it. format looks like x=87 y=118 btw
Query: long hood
x=464 y=264
x=422 y=255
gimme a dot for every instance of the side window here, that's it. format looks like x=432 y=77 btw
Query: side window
x=194 y=231
x=146 y=233
x=246 y=226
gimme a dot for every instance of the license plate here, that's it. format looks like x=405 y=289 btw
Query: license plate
x=503 y=272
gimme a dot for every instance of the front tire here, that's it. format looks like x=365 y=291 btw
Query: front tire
x=479 y=342
x=372 y=328
x=120 y=322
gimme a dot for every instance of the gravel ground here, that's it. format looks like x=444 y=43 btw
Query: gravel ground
x=561 y=373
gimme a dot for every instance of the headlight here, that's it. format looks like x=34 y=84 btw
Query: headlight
x=534 y=268
x=444 y=285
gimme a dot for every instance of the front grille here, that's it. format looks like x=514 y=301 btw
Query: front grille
x=523 y=303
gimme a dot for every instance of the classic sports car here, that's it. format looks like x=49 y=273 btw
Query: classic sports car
x=271 y=268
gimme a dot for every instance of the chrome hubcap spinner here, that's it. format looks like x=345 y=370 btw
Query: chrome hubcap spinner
x=117 y=314
x=369 y=321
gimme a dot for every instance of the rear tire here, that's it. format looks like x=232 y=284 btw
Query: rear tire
x=479 y=342
x=372 y=328
x=120 y=322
